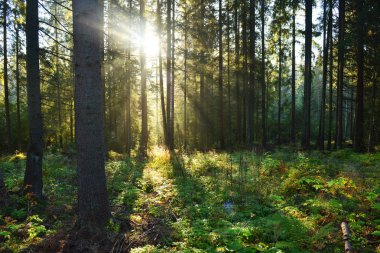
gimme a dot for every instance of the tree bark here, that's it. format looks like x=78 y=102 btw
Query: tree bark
x=293 y=116
x=93 y=206
x=339 y=109
x=6 y=88
x=220 y=79
x=263 y=85
x=307 y=75
x=321 y=135
x=33 y=171
x=359 y=115
x=144 y=105
x=237 y=72
x=330 y=76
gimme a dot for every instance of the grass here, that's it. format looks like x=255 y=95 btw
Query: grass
x=281 y=201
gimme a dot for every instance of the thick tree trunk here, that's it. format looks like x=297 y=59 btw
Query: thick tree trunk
x=359 y=115
x=93 y=204
x=307 y=75
x=33 y=171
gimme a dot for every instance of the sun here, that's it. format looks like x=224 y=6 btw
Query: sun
x=150 y=41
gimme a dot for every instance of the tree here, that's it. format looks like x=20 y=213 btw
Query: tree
x=326 y=41
x=33 y=170
x=93 y=207
x=339 y=106
x=359 y=119
x=263 y=86
x=293 y=114
x=144 y=106
x=6 y=88
x=307 y=74
x=251 y=89
x=220 y=79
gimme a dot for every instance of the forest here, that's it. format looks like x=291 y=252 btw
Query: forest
x=152 y=126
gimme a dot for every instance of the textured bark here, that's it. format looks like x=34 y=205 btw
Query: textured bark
x=93 y=206
x=33 y=171
x=359 y=115
x=307 y=75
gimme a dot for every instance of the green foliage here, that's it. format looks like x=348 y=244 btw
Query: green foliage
x=239 y=202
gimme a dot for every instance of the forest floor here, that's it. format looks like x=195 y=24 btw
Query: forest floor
x=282 y=201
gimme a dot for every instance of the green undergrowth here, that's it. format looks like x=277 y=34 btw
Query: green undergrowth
x=282 y=201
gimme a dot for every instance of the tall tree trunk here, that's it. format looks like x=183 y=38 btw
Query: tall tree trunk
x=185 y=82
x=263 y=85
x=144 y=105
x=93 y=204
x=245 y=66
x=229 y=118
x=293 y=116
x=220 y=79
x=128 y=119
x=279 y=79
x=237 y=72
x=321 y=135
x=18 y=87
x=33 y=171
x=168 y=72
x=251 y=89
x=307 y=75
x=339 y=109
x=58 y=80
x=330 y=76
x=173 y=78
x=164 y=120
x=359 y=115
x=6 y=88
